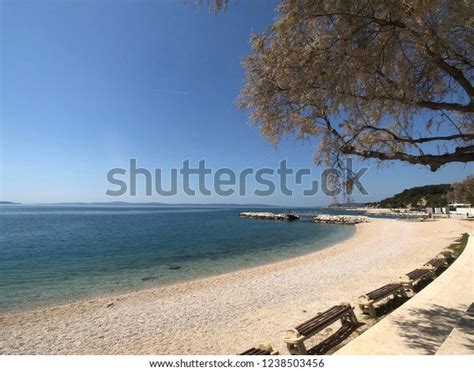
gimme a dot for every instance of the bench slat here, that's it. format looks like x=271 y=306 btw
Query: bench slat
x=436 y=262
x=255 y=352
x=383 y=291
x=446 y=253
x=417 y=273
x=320 y=317
x=323 y=320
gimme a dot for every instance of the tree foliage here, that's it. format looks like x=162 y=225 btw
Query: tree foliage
x=378 y=79
x=463 y=192
x=215 y=5
x=434 y=195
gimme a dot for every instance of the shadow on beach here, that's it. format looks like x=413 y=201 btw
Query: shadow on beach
x=329 y=345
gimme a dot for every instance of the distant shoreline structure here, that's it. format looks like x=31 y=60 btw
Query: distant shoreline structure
x=268 y=216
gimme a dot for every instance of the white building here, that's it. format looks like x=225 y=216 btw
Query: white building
x=461 y=209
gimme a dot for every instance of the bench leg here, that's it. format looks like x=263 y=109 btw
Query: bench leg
x=371 y=310
x=367 y=308
x=349 y=319
x=297 y=349
x=403 y=293
x=409 y=289
x=301 y=349
x=353 y=318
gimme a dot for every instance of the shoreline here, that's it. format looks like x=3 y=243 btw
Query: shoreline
x=178 y=281
x=230 y=312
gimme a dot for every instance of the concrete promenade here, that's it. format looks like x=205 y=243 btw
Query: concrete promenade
x=437 y=320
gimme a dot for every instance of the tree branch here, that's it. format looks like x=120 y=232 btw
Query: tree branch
x=456 y=74
x=437 y=106
x=434 y=162
x=462 y=136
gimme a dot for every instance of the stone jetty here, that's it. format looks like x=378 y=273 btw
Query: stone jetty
x=340 y=219
x=397 y=213
x=269 y=216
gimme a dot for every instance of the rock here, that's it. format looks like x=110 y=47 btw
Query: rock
x=151 y=278
x=174 y=267
x=269 y=216
x=340 y=219
x=110 y=304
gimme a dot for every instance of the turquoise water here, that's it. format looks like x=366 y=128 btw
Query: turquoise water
x=53 y=254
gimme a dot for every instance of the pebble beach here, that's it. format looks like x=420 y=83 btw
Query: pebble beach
x=228 y=313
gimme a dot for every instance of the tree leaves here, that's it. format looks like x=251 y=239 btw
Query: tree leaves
x=377 y=79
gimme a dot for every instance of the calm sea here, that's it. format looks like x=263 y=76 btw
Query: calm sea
x=53 y=254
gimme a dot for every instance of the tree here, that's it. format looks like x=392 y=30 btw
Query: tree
x=378 y=79
x=215 y=5
x=463 y=192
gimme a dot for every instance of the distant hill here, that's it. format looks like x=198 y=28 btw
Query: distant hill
x=434 y=195
x=419 y=197
x=8 y=203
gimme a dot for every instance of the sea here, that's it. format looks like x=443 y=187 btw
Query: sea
x=51 y=254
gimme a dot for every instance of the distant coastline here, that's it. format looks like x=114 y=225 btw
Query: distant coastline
x=118 y=203
x=124 y=203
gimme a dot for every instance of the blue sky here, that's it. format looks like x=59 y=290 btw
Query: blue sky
x=87 y=85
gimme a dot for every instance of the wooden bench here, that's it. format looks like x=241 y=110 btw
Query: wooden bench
x=410 y=279
x=366 y=302
x=265 y=349
x=435 y=263
x=295 y=337
x=446 y=254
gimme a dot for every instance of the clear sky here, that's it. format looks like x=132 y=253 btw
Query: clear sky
x=87 y=85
